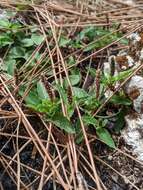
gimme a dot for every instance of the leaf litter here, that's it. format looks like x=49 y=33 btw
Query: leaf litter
x=60 y=46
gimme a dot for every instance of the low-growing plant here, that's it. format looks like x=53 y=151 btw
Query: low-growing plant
x=18 y=47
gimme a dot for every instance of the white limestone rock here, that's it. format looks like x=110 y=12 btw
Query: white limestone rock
x=133 y=134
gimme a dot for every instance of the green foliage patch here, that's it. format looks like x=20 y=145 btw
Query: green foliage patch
x=18 y=45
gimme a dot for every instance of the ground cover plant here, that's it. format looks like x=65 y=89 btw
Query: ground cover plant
x=60 y=127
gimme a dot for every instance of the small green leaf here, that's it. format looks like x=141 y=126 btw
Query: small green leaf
x=36 y=56
x=42 y=92
x=91 y=46
x=37 y=38
x=17 y=52
x=121 y=76
x=49 y=107
x=70 y=110
x=71 y=60
x=32 y=99
x=105 y=136
x=74 y=79
x=63 y=123
x=4 y=23
x=91 y=102
x=89 y=120
x=79 y=93
x=27 y=42
x=120 y=100
x=92 y=71
x=62 y=93
x=15 y=26
x=64 y=41
x=120 y=122
x=5 y=39
x=124 y=41
x=11 y=66
x=79 y=137
x=89 y=32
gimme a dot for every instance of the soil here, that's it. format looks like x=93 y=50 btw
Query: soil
x=127 y=168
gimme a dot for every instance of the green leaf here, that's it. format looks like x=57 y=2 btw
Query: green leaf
x=70 y=110
x=5 y=39
x=27 y=42
x=101 y=32
x=17 y=52
x=101 y=42
x=10 y=66
x=79 y=137
x=49 y=107
x=37 y=38
x=63 y=123
x=36 y=56
x=71 y=60
x=32 y=99
x=74 y=79
x=91 y=46
x=89 y=120
x=120 y=100
x=42 y=92
x=79 y=93
x=4 y=23
x=105 y=136
x=92 y=71
x=64 y=41
x=120 y=122
x=121 y=76
x=89 y=32
x=91 y=102
x=76 y=44
x=15 y=26
x=124 y=41
x=62 y=93
x=79 y=132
